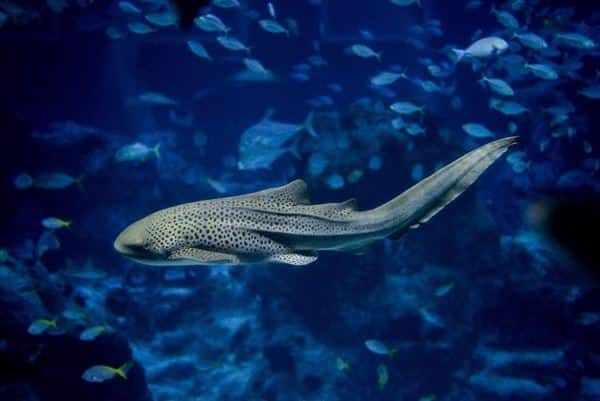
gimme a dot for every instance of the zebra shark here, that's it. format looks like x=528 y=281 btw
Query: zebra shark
x=280 y=224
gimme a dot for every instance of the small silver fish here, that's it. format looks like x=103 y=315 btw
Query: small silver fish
x=233 y=44
x=56 y=180
x=54 y=223
x=477 y=130
x=482 y=48
x=387 y=78
x=136 y=152
x=497 y=86
x=91 y=333
x=211 y=23
x=273 y=26
x=255 y=65
x=199 y=50
x=365 y=51
x=406 y=108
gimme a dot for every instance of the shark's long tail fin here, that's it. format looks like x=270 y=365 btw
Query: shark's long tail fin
x=425 y=199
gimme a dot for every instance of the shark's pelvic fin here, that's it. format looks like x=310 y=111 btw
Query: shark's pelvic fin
x=204 y=257
x=297 y=259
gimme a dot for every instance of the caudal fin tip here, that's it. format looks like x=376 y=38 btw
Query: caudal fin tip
x=506 y=142
x=512 y=140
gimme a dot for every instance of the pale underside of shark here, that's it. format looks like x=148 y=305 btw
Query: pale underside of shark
x=281 y=225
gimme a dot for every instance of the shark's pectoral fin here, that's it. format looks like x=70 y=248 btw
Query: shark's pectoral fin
x=361 y=250
x=296 y=259
x=203 y=257
x=396 y=236
x=356 y=249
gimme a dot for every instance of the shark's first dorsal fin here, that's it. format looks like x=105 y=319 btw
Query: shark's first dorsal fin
x=294 y=193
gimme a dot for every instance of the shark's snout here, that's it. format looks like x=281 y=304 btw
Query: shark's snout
x=130 y=242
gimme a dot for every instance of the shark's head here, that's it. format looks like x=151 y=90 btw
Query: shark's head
x=137 y=241
x=168 y=237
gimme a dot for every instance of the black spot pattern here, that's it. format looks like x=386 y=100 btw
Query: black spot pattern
x=234 y=225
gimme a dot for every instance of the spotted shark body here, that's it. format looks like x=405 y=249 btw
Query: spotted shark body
x=281 y=225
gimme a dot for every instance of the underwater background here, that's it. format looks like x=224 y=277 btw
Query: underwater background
x=110 y=110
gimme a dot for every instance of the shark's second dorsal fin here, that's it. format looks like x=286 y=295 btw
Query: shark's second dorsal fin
x=350 y=204
x=337 y=210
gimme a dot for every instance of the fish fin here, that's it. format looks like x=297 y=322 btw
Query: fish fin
x=403 y=73
x=268 y=113
x=293 y=193
x=79 y=182
x=295 y=151
x=469 y=177
x=459 y=54
x=204 y=257
x=358 y=250
x=296 y=193
x=308 y=124
x=397 y=235
x=482 y=81
x=418 y=204
x=334 y=210
x=300 y=258
x=349 y=204
x=122 y=370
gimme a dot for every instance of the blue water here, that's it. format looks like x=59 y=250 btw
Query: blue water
x=480 y=303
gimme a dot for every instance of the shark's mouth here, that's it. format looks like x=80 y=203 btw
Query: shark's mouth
x=137 y=252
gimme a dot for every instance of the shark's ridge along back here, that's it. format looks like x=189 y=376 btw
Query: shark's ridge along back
x=281 y=225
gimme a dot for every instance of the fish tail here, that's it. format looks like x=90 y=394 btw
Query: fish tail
x=156 y=150
x=422 y=112
x=79 y=182
x=481 y=80
x=295 y=151
x=459 y=54
x=403 y=73
x=425 y=199
x=308 y=124
x=378 y=56
x=122 y=370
